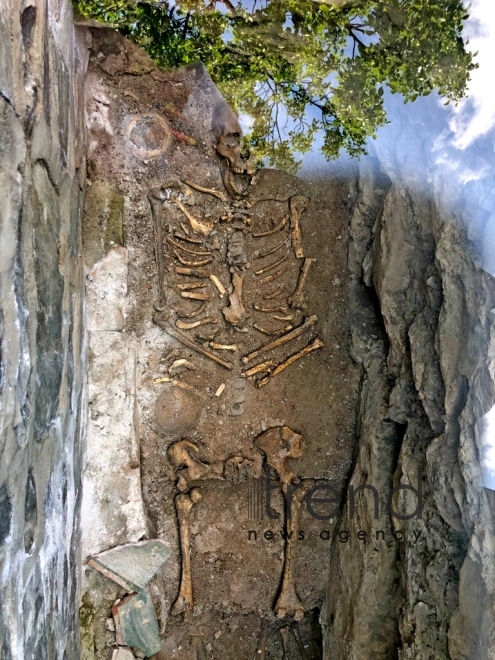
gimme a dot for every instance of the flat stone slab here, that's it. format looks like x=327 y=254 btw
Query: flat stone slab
x=123 y=653
x=132 y=565
x=136 y=624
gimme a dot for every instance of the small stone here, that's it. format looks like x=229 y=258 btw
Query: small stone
x=123 y=653
x=109 y=625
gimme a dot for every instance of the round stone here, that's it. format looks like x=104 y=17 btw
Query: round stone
x=148 y=135
x=177 y=410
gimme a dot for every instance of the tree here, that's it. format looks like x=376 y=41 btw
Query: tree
x=301 y=66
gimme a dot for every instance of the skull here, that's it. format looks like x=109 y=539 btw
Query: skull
x=229 y=146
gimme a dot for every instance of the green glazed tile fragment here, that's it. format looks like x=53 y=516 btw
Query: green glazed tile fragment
x=132 y=565
x=136 y=624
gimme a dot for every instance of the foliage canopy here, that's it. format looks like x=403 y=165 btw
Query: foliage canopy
x=297 y=67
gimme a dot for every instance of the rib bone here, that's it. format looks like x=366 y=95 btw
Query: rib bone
x=280 y=226
x=193 y=272
x=269 y=310
x=271 y=332
x=271 y=266
x=297 y=204
x=274 y=276
x=297 y=300
x=183 y=504
x=189 y=343
x=235 y=313
x=184 y=325
x=187 y=286
x=189 y=250
x=308 y=323
x=196 y=312
x=188 y=239
x=195 y=295
x=316 y=344
x=204 y=227
x=194 y=264
x=215 y=193
x=272 y=250
x=274 y=294
x=184 y=457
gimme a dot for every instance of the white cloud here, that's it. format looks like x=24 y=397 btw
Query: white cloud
x=475 y=116
x=488 y=448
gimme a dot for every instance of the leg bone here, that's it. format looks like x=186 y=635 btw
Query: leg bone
x=184 y=503
x=288 y=602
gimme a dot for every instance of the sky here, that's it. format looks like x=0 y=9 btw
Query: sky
x=461 y=140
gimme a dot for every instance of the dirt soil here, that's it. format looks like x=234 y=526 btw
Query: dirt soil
x=236 y=574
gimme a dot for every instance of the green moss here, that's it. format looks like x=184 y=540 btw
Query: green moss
x=87 y=613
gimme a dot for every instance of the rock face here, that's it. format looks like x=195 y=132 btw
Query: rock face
x=420 y=586
x=42 y=353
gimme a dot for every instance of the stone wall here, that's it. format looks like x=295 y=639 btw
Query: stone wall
x=42 y=354
x=423 y=335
